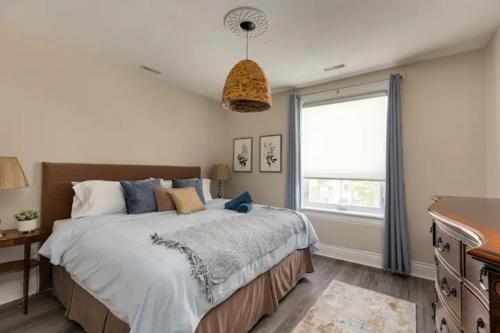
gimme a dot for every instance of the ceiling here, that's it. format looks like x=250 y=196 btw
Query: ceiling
x=186 y=39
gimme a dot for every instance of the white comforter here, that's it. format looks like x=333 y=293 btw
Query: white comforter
x=146 y=285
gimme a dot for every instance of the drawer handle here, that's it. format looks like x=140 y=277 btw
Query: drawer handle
x=445 y=248
x=479 y=324
x=443 y=323
x=447 y=291
x=482 y=273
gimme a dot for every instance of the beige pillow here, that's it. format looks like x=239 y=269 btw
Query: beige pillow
x=186 y=200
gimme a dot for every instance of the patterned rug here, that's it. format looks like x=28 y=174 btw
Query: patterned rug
x=343 y=308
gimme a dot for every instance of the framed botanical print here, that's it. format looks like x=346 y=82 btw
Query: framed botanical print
x=242 y=155
x=270 y=153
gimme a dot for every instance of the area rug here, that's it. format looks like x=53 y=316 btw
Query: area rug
x=343 y=308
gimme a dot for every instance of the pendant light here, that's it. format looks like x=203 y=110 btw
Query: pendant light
x=247 y=88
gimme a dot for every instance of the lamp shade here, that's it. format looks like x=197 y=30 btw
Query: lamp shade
x=11 y=174
x=247 y=88
x=220 y=172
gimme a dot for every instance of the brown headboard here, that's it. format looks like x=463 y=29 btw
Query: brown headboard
x=57 y=193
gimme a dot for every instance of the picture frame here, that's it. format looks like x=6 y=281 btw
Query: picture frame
x=270 y=153
x=242 y=154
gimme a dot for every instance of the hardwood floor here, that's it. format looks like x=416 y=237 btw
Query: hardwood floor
x=47 y=315
x=293 y=308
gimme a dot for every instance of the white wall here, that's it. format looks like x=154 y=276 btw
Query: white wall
x=61 y=105
x=443 y=138
x=492 y=107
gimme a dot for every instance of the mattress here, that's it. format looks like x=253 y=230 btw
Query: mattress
x=238 y=314
x=112 y=259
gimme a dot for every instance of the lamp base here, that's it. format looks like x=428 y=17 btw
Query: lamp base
x=219 y=194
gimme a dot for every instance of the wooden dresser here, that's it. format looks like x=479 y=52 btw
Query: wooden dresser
x=466 y=239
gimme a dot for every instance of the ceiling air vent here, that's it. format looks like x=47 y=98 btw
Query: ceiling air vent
x=332 y=68
x=149 y=69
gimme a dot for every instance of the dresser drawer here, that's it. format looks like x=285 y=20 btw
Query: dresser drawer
x=448 y=248
x=449 y=288
x=475 y=317
x=475 y=273
x=444 y=321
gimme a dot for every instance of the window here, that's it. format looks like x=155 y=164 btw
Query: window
x=343 y=155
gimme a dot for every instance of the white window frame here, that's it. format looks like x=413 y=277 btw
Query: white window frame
x=344 y=209
x=337 y=96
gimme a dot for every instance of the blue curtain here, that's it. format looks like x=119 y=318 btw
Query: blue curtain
x=293 y=181
x=396 y=245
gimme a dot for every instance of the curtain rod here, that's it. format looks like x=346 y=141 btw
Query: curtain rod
x=403 y=76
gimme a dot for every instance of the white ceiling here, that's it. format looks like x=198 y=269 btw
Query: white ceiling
x=187 y=41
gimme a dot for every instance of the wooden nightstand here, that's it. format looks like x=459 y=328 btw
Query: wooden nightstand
x=13 y=238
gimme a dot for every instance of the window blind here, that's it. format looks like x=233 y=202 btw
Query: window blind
x=345 y=139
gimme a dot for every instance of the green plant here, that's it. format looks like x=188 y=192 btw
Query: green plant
x=27 y=214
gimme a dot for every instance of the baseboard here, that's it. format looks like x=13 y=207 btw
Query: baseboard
x=418 y=269
x=423 y=270
x=11 y=286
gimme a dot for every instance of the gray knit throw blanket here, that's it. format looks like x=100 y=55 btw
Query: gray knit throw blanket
x=219 y=248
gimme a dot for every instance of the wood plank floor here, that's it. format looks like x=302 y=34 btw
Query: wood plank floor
x=46 y=315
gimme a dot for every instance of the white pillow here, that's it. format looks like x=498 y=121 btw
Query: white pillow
x=206 y=189
x=98 y=197
x=166 y=183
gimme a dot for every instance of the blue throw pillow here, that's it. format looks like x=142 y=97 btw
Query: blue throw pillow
x=192 y=182
x=244 y=207
x=139 y=195
x=242 y=198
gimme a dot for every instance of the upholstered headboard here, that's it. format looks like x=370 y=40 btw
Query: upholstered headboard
x=57 y=193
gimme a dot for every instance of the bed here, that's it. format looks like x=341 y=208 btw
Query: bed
x=104 y=268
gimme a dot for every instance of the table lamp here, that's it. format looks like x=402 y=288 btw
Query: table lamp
x=11 y=176
x=220 y=173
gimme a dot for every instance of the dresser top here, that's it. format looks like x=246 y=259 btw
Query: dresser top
x=477 y=219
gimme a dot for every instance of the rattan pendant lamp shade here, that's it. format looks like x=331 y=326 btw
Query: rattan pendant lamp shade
x=246 y=88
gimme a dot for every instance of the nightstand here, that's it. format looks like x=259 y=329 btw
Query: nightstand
x=12 y=238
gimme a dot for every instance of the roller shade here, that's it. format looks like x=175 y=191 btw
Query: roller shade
x=345 y=139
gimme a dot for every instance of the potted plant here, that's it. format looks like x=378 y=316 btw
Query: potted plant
x=27 y=220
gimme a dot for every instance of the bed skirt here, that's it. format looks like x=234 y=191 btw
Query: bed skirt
x=239 y=313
